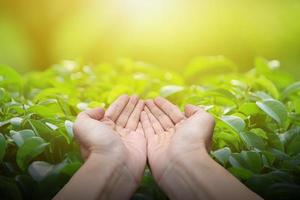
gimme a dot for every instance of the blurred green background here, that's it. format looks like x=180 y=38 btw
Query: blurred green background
x=35 y=34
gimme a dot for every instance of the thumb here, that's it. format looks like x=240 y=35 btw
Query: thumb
x=97 y=114
x=191 y=110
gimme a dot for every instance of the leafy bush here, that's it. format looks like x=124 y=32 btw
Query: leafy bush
x=257 y=135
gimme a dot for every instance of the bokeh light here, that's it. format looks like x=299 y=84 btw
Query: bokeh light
x=169 y=33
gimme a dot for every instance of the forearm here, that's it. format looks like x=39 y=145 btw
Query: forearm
x=200 y=177
x=97 y=179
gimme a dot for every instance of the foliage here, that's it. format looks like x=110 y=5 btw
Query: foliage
x=257 y=135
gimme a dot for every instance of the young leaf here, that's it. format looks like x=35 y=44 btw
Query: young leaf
x=254 y=160
x=2 y=147
x=70 y=169
x=249 y=108
x=274 y=141
x=222 y=155
x=19 y=137
x=236 y=123
x=169 y=90
x=293 y=148
x=31 y=148
x=252 y=140
x=268 y=86
x=39 y=170
x=261 y=66
x=8 y=76
x=69 y=128
x=41 y=129
x=275 y=109
x=241 y=173
x=290 y=89
x=16 y=122
x=247 y=159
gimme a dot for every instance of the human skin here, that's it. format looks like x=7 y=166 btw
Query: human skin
x=115 y=145
x=114 y=148
x=177 y=150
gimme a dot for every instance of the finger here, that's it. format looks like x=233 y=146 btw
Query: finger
x=191 y=110
x=170 y=109
x=147 y=126
x=135 y=116
x=139 y=128
x=164 y=120
x=116 y=107
x=158 y=129
x=124 y=116
x=96 y=114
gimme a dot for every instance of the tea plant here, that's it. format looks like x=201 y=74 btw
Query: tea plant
x=257 y=135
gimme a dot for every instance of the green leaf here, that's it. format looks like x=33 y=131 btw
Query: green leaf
x=262 y=95
x=4 y=96
x=264 y=67
x=291 y=163
x=31 y=148
x=252 y=140
x=295 y=87
x=240 y=173
x=2 y=147
x=275 y=109
x=293 y=148
x=259 y=183
x=247 y=159
x=70 y=169
x=39 y=170
x=8 y=76
x=253 y=160
x=169 y=90
x=296 y=104
x=69 y=128
x=222 y=155
x=41 y=129
x=236 y=123
x=278 y=154
x=268 y=86
x=249 y=108
x=289 y=135
x=208 y=66
x=73 y=156
x=44 y=111
x=268 y=158
x=259 y=132
x=237 y=161
x=19 y=137
x=278 y=175
x=16 y=122
x=274 y=141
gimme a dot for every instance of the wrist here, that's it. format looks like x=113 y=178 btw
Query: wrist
x=109 y=161
x=185 y=159
x=115 y=174
x=178 y=180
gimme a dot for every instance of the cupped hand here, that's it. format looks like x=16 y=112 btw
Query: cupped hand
x=173 y=136
x=115 y=135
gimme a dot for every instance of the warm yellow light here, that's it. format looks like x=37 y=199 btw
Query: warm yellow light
x=143 y=6
x=143 y=13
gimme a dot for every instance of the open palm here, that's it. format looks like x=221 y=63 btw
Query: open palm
x=172 y=135
x=115 y=134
